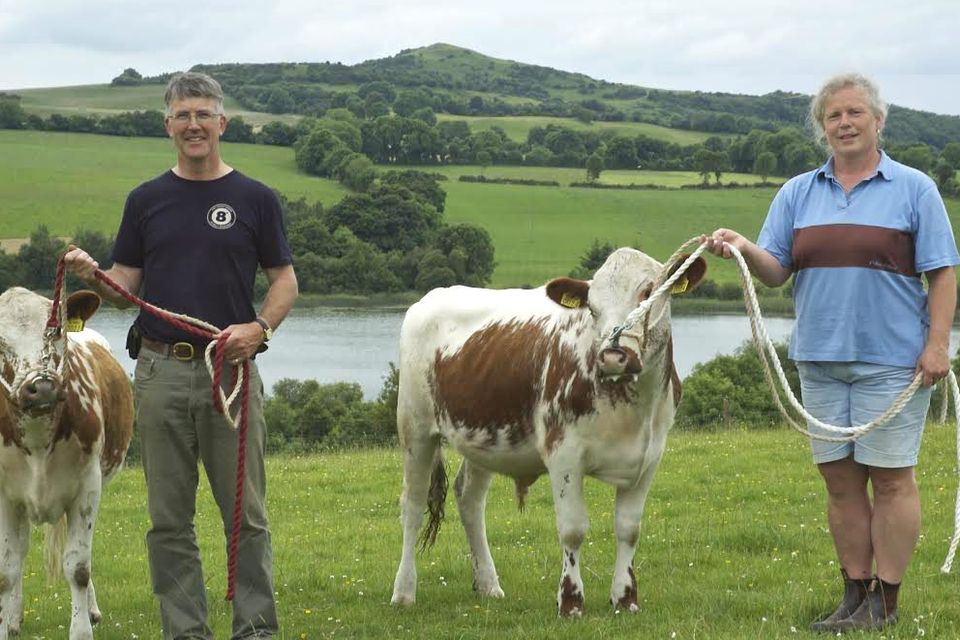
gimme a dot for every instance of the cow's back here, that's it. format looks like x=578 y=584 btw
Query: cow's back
x=472 y=367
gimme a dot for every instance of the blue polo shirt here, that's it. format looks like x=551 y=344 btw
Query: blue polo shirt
x=857 y=259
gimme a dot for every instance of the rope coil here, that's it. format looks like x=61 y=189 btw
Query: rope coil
x=767 y=353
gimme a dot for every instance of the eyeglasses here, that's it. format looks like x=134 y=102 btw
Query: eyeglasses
x=201 y=117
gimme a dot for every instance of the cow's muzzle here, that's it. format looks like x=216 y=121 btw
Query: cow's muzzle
x=39 y=393
x=619 y=361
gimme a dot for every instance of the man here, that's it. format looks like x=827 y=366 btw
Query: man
x=191 y=241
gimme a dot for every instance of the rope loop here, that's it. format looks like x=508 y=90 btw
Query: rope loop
x=221 y=402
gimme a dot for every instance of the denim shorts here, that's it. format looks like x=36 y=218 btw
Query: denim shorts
x=846 y=394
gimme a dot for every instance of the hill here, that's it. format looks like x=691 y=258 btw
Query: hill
x=457 y=82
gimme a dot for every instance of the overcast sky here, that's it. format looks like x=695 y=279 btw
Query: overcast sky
x=911 y=48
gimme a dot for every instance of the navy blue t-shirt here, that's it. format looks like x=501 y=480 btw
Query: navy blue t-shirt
x=200 y=244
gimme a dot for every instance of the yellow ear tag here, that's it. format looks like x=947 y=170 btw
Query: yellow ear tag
x=75 y=324
x=680 y=286
x=569 y=301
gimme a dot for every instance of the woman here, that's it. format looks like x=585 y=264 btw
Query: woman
x=857 y=234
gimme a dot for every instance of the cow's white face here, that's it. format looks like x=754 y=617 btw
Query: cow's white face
x=31 y=355
x=624 y=281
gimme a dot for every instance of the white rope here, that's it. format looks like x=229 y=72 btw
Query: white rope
x=767 y=353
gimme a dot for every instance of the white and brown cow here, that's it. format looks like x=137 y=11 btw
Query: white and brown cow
x=66 y=417
x=525 y=382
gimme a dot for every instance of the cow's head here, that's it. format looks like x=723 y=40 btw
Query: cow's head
x=626 y=279
x=32 y=354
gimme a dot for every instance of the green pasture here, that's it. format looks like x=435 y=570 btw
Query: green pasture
x=102 y=99
x=517 y=127
x=72 y=181
x=734 y=544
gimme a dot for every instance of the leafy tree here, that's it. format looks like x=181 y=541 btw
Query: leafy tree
x=434 y=271
x=483 y=159
x=943 y=171
x=425 y=115
x=474 y=249
x=764 y=164
x=592 y=259
x=951 y=154
x=310 y=150
x=424 y=186
x=9 y=271
x=356 y=172
x=279 y=100
x=706 y=162
x=38 y=259
x=594 y=166
x=732 y=390
x=390 y=217
x=410 y=100
x=12 y=115
x=276 y=133
x=345 y=130
x=621 y=153
x=129 y=77
x=918 y=156
x=238 y=131
x=383 y=89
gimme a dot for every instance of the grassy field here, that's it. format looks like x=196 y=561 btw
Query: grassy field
x=102 y=99
x=734 y=545
x=73 y=180
x=516 y=127
x=69 y=181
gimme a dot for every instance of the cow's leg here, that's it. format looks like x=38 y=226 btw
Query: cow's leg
x=418 y=460
x=77 y=559
x=626 y=525
x=14 y=536
x=572 y=525
x=471 y=490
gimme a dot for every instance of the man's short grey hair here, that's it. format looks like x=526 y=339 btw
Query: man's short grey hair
x=191 y=84
x=838 y=83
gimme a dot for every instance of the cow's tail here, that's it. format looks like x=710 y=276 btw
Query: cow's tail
x=55 y=538
x=436 y=499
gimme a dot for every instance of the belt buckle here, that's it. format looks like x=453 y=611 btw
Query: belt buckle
x=182 y=351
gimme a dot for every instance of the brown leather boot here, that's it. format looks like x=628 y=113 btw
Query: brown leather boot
x=854 y=593
x=878 y=610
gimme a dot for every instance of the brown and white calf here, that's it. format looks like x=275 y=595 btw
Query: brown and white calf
x=525 y=382
x=66 y=417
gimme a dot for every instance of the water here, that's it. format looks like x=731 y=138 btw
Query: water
x=357 y=345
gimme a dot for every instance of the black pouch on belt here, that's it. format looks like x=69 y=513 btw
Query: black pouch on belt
x=133 y=341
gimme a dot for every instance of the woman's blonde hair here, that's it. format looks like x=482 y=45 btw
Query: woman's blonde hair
x=836 y=83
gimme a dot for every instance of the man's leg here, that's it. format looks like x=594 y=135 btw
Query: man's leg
x=169 y=451
x=254 y=606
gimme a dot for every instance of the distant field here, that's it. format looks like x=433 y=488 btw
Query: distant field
x=103 y=99
x=72 y=181
x=566 y=175
x=516 y=127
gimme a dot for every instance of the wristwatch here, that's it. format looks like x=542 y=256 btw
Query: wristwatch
x=267 y=331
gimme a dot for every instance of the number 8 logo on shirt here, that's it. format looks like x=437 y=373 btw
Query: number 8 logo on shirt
x=221 y=216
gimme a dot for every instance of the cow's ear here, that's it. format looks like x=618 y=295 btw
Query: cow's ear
x=689 y=280
x=81 y=305
x=568 y=292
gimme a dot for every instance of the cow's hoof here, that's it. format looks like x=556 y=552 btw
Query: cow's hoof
x=403 y=600
x=627 y=603
x=95 y=617
x=572 y=612
x=494 y=592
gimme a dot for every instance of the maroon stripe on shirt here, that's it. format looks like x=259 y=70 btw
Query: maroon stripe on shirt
x=854 y=245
